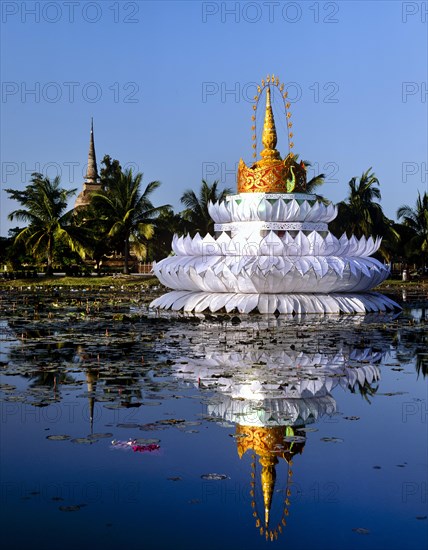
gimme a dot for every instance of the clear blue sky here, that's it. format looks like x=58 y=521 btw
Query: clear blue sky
x=168 y=85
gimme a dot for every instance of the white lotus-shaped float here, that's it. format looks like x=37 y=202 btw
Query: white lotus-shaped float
x=272 y=251
x=291 y=265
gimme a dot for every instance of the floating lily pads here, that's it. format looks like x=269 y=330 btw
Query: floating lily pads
x=58 y=437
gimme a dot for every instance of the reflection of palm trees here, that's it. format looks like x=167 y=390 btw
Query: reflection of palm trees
x=366 y=389
x=411 y=346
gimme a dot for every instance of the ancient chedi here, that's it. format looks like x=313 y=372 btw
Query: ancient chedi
x=92 y=180
x=272 y=251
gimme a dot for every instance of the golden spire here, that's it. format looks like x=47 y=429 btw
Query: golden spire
x=269 y=137
x=269 y=131
x=271 y=174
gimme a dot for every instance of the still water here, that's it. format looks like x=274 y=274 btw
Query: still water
x=123 y=429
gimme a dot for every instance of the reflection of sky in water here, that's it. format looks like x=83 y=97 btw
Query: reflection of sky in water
x=363 y=463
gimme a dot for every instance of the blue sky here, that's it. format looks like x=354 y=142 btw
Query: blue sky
x=169 y=86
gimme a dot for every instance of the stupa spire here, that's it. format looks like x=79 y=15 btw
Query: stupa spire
x=269 y=137
x=91 y=172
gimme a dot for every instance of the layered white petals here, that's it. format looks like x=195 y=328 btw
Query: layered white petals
x=255 y=245
x=271 y=303
x=292 y=269
x=267 y=273
x=262 y=208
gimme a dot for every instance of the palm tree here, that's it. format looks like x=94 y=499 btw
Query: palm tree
x=416 y=219
x=43 y=206
x=196 y=214
x=360 y=214
x=129 y=213
x=314 y=182
x=168 y=224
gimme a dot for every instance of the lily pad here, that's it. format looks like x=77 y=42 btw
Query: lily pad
x=361 y=530
x=332 y=439
x=294 y=439
x=214 y=477
x=58 y=437
x=100 y=435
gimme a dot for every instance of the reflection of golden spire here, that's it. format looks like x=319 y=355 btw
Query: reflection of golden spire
x=268 y=443
x=268 y=477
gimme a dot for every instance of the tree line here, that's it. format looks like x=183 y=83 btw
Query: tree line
x=121 y=219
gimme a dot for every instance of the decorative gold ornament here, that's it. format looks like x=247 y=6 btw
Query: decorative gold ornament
x=268 y=444
x=271 y=174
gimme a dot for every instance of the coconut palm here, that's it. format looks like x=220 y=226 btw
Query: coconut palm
x=129 y=213
x=196 y=215
x=360 y=214
x=416 y=219
x=44 y=205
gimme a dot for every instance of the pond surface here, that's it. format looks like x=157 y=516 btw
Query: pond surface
x=121 y=428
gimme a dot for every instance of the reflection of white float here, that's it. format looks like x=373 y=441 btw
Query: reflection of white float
x=272 y=250
x=270 y=395
x=293 y=389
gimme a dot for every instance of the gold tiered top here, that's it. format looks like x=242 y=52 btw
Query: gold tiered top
x=271 y=174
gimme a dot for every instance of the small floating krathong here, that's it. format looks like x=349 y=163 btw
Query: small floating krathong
x=135 y=446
